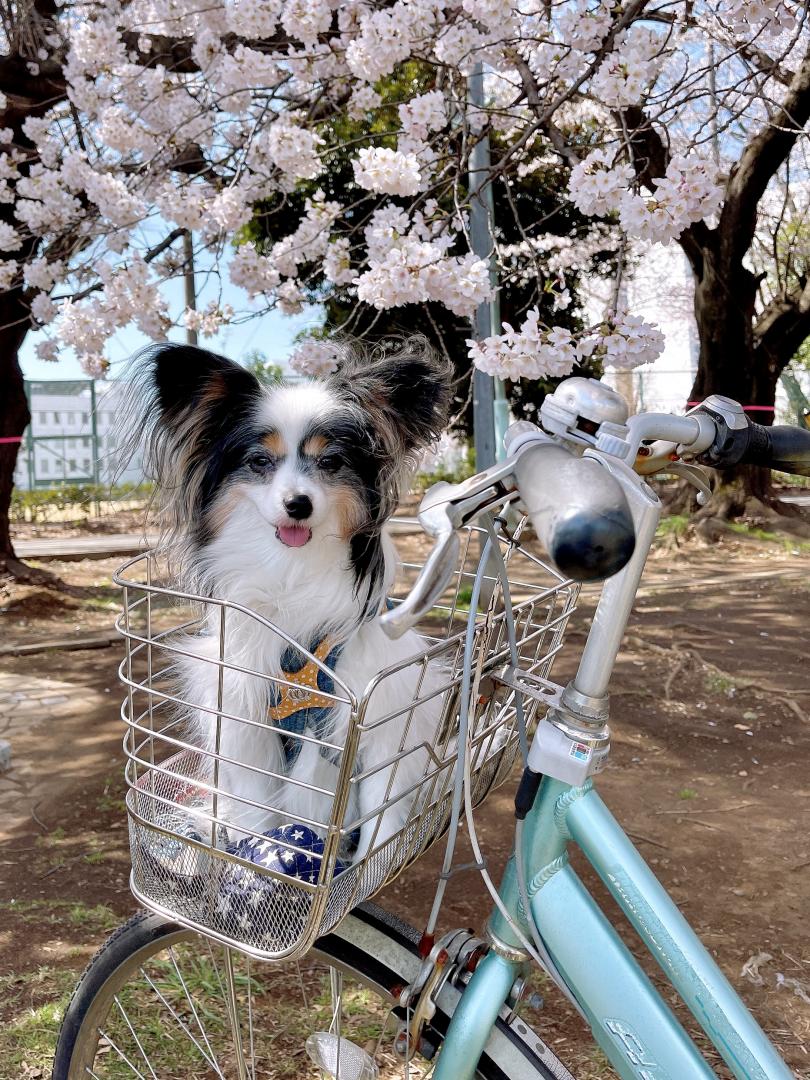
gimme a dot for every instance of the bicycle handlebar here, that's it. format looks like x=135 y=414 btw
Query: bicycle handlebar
x=578 y=509
x=740 y=441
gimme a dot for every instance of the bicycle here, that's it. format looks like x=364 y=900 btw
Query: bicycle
x=180 y=991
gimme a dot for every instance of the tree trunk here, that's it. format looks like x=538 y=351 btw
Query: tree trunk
x=732 y=365
x=14 y=414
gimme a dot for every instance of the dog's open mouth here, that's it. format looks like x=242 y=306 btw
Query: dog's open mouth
x=294 y=535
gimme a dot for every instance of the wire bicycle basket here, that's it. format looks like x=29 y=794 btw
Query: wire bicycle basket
x=272 y=894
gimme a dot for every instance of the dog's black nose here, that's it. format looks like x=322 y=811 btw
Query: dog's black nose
x=298 y=507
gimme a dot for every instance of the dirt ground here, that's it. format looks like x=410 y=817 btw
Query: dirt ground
x=709 y=775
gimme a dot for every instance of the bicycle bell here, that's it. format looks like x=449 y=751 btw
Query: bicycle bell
x=579 y=408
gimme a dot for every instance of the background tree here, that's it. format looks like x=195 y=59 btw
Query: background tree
x=129 y=125
x=264 y=370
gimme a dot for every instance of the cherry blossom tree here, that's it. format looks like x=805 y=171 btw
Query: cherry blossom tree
x=578 y=254
x=129 y=124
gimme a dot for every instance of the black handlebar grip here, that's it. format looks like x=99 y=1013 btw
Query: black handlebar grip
x=578 y=510
x=779 y=447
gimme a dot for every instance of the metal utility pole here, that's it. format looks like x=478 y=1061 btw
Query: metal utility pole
x=490 y=407
x=189 y=281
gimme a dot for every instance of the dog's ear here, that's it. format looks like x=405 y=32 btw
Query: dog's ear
x=184 y=380
x=405 y=389
x=184 y=408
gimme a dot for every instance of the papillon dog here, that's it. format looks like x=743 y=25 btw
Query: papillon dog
x=275 y=498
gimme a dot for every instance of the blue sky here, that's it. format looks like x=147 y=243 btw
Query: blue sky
x=272 y=334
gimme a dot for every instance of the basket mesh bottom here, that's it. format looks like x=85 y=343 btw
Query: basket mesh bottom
x=272 y=917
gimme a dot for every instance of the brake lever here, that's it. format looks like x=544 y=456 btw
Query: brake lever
x=462 y=502
x=662 y=457
x=655 y=457
x=445 y=509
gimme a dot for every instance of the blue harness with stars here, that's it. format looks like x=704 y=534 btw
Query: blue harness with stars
x=302 y=706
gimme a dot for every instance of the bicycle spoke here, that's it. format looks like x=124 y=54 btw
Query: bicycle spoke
x=143 y=1054
x=216 y=967
x=336 y=990
x=110 y=1042
x=233 y=1011
x=191 y=1005
x=307 y=1005
x=250 y=1018
x=183 y=1025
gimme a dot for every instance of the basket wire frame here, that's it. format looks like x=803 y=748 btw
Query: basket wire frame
x=174 y=783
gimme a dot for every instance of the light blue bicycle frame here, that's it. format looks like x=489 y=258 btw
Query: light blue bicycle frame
x=630 y=1021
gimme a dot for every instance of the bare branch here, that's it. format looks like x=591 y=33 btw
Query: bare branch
x=760 y=160
x=783 y=326
x=766 y=64
x=149 y=256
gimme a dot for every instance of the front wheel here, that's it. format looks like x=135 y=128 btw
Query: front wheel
x=162 y=1002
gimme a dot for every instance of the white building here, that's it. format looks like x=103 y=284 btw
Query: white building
x=74 y=434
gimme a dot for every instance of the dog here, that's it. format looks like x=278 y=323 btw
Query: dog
x=274 y=498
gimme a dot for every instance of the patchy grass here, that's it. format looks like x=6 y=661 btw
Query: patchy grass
x=27 y=1039
x=464 y=597
x=52 y=838
x=98 y=603
x=716 y=683
x=790 y=543
x=687 y=793
x=674 y=526
x=109 y=800
x=59 y=912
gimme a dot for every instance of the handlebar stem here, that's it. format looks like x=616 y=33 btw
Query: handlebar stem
x=618 y=592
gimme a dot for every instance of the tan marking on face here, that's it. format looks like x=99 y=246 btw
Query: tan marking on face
x=275 y=444
x=315 y=444
x=350 y=510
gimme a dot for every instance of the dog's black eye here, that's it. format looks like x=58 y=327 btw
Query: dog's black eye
x=330 y=463
x=259 y=462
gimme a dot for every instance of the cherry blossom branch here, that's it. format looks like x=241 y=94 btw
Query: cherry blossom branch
x=149 y=256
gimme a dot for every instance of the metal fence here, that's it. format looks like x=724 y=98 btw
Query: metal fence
x=74 y=436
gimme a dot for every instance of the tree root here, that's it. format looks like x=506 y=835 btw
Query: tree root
x=13 y=569
x=733 y=501
x=782 y=516
x=682 y=656
x=711 y=522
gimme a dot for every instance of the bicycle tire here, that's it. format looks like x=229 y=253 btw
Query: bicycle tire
x=372 y=946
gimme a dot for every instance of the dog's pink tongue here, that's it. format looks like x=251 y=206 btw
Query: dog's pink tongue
x=293 y=535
